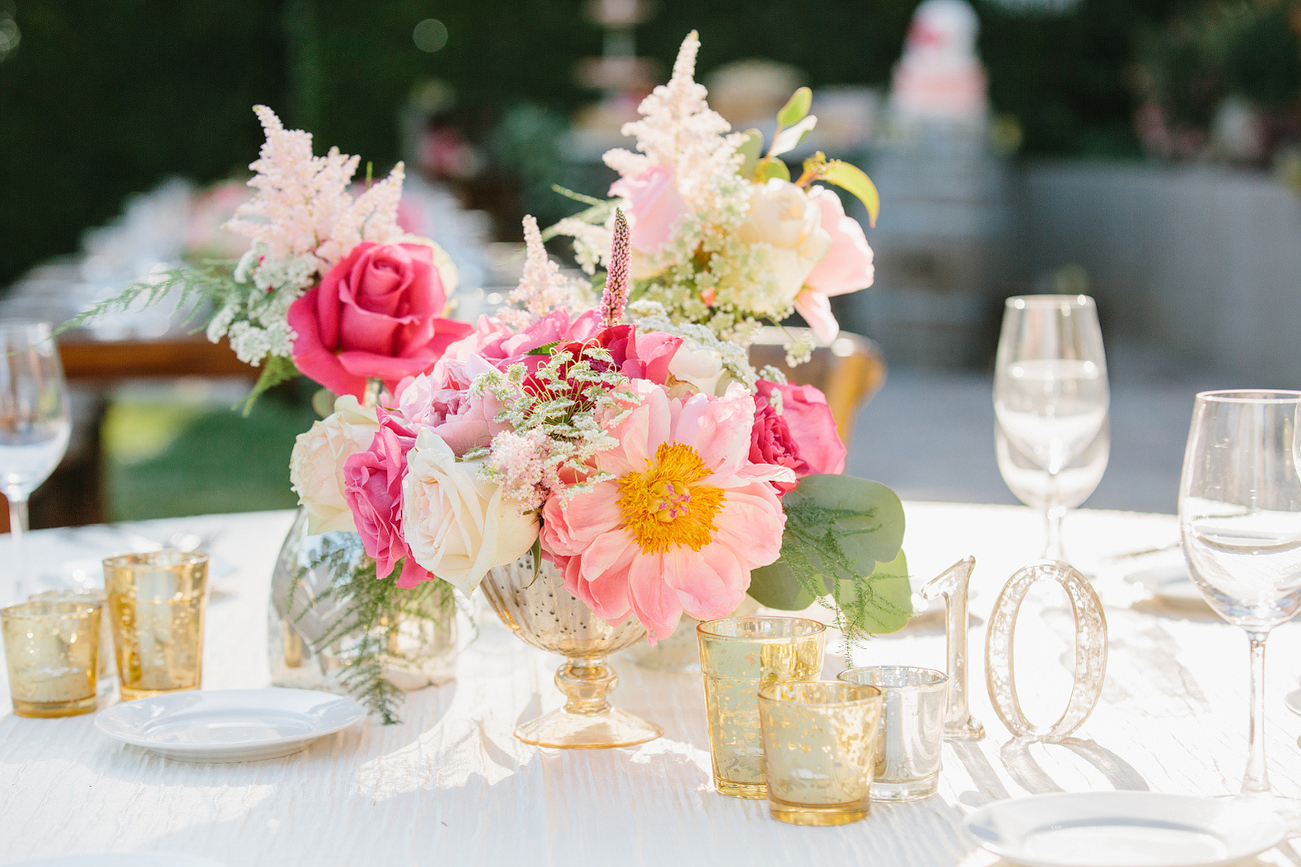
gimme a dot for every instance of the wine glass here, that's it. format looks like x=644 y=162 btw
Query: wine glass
x=1240 y=521
x=34 y=429
x=1050 y=405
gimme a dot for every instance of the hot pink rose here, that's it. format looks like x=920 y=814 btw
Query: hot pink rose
x=441 y=400
x=811 y=425
x=373 y=490
x=374 y=315
x=654 y=206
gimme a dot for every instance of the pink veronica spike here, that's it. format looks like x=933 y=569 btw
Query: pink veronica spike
x=615 y=297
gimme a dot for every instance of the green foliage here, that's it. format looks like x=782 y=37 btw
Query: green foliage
x=796 y=108
x=842 y=547
x=856 y=181
x=373 y=611
x=195 y=287
x=750 y=148
x=771 y=167
x=275 y=370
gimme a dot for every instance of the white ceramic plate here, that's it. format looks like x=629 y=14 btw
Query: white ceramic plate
x=230 y=725
x=121 y=859
x=1292 y=701
x=1124 y=829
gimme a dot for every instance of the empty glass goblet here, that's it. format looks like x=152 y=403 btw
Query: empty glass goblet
x=34 y=430
x=1240 y=521
x=1050 y=402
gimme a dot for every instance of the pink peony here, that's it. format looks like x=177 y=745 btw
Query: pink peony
x=811 y=425
x=682 y=522
x=847 y=267
x=654 y=206
x=373 y=490
x=441 y=400
x=374 y=315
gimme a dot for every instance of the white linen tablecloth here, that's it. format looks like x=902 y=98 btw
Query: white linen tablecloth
x=451 y=785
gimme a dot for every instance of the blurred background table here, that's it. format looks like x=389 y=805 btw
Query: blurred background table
x=451 y=783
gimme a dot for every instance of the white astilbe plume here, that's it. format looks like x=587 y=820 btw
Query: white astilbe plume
x=679 y=130
x=542 y=288
x=302 y=206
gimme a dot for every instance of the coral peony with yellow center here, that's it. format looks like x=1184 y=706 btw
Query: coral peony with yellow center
x=664 y=506
x=681 y=519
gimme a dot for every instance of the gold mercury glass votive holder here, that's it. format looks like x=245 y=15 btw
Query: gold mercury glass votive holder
x=155 y=603
x=107 y=668
x=819 y=747
x=52 y=651
x=912 y=729
x=738 y=657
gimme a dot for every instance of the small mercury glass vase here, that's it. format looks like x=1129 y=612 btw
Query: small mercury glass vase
x=310 y=638
x=536 y=606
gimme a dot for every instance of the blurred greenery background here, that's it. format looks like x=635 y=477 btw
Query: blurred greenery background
x=102 y=100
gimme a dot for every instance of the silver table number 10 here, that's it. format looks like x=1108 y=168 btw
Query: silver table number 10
x=1090 y=651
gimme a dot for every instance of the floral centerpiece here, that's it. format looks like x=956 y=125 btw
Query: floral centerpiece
x=622 y=444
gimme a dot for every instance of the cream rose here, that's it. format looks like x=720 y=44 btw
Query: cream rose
x=697 y=365
x=316 y=465
x=457 y=525
x=784 y=217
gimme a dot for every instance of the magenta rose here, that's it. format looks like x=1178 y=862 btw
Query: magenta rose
x=373 y=491
x=655 y=207
x=771 y=443
x=375 y=315
x=811 y=425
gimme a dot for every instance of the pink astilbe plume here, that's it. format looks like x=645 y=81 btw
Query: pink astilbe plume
x=615 y=297
x=542 y=288
x=679 y=130
x=302 y=206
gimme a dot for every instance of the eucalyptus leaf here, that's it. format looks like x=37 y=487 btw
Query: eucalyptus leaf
x=775 y=586
x=771 y=167
x=842 y=539
x=796 y=107
x=856 y=181
x=750 y=148
x=789 y=139
x=880 y=603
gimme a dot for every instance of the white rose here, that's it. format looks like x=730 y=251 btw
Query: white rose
x=785 y=218
x=698 y=365
x=316 y=465
x=457 y=525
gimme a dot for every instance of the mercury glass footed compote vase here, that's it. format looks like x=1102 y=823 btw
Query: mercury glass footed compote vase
x=538 y=608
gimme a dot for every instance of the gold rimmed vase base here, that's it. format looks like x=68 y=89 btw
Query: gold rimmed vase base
x=598 y=731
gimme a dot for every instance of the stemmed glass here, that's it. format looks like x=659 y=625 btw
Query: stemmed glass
x=34 y=429
x=1050 y=403
x=1240 y=520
